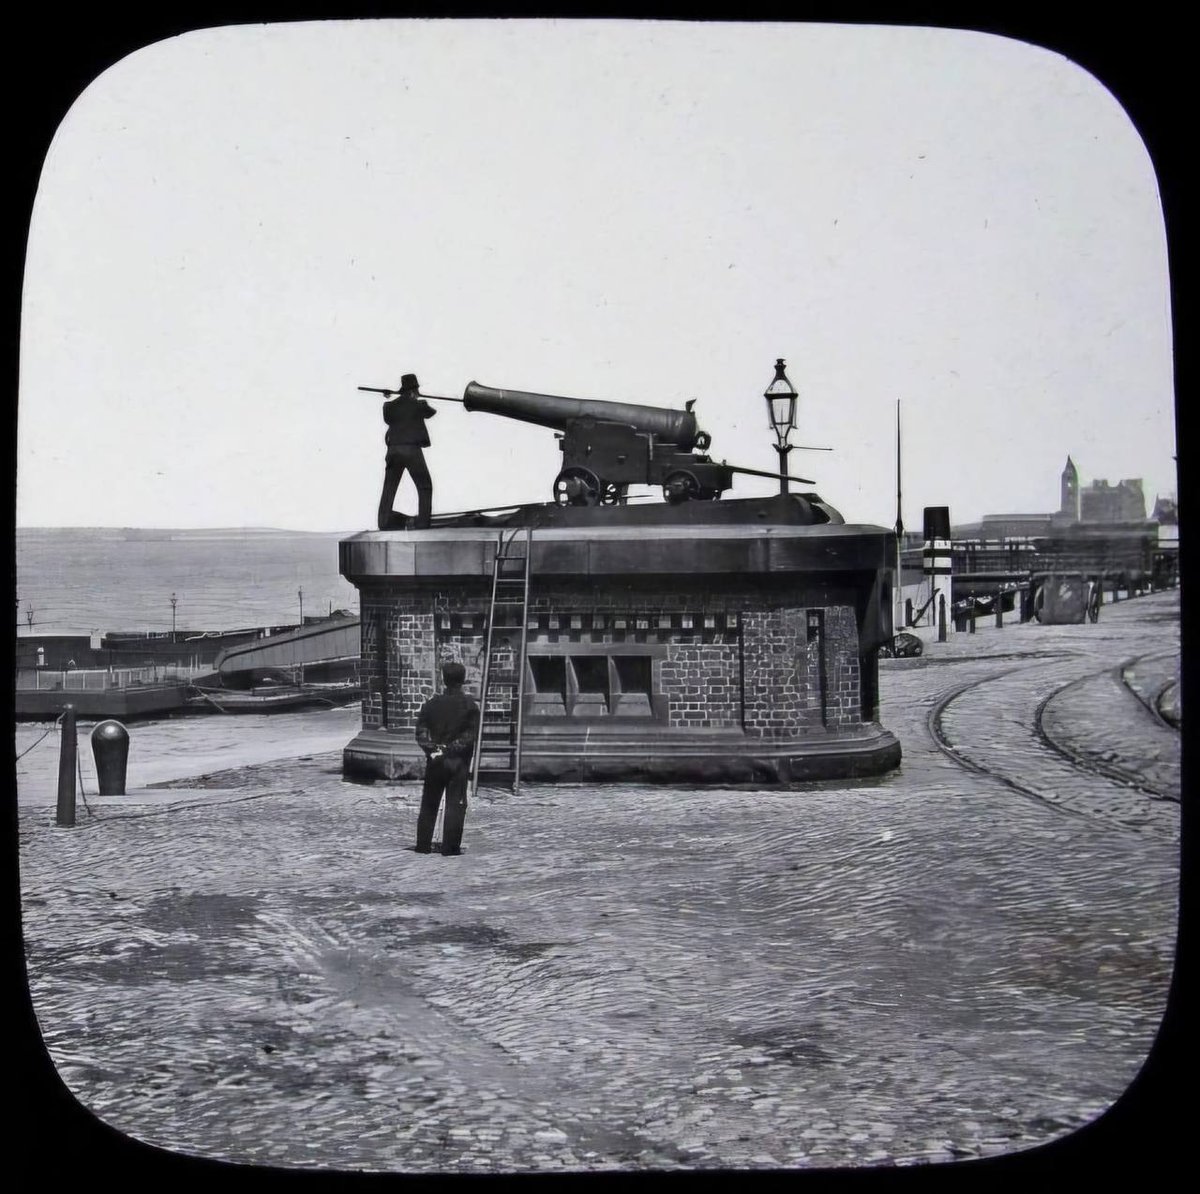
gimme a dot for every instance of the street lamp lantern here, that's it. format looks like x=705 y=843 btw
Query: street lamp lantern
x=781 y=410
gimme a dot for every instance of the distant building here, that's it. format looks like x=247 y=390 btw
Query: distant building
x=1014 y=526
x=1069 y=502
x=1098 y=502
x=1165 y=513
x=1102 y=502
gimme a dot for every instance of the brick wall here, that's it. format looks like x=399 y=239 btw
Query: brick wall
x=702 y=683
x=843 y=696
x=769 y=683
x=398 y=655
x=780 y=674
x=783 y=669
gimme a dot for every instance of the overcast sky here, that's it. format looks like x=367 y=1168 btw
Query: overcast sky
x=236 y=227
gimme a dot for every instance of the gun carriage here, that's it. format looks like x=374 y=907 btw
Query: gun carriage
x=608 y=446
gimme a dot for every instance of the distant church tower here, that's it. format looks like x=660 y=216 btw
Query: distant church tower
x=1070 y=491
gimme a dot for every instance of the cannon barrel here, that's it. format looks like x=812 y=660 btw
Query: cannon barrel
x=676 y=427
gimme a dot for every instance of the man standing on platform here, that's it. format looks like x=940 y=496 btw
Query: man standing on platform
x=446 y=729
x=405 y=416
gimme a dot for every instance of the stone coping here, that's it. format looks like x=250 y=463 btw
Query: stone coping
x=621 y=533
x=700 y=756
x=623 y=551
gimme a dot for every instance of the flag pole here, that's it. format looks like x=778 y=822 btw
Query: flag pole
x=898 y=623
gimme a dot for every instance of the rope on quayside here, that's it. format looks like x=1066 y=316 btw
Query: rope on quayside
x=55 y=723
x=79 y=768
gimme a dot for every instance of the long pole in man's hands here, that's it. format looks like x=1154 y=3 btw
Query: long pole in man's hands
x=390 y=393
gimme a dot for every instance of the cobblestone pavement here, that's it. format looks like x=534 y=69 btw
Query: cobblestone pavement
x=965 y=957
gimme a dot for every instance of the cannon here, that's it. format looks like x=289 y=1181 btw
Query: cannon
x=608 y=446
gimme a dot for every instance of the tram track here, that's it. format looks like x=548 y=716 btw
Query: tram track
x=938 y=735
x=1153 y=705
x=1079 y=762
x=1087 y=762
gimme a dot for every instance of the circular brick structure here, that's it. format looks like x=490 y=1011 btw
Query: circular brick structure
x=689 y=653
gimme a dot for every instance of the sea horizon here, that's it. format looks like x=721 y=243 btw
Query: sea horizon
x=186 y=530
x=84 y=580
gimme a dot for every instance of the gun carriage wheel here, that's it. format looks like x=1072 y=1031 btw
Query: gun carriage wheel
x=576 y=486
x=680 y=486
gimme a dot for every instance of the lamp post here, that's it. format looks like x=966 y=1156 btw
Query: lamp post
x=300 y=594
x=174 y=602
x=781 y=409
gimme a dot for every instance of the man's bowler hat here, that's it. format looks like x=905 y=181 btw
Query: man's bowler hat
x=409 y=383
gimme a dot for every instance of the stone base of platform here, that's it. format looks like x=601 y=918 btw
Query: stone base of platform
x=711 y=758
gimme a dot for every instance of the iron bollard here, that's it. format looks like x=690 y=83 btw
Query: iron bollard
x=999 y=612
x=942 y=618
x=65 y=813
x=110 y=746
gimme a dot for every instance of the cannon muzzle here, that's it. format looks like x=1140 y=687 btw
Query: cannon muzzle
x=675 y=427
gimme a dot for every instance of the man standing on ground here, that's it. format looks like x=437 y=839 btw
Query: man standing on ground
x=405 y=416
x=446 y=729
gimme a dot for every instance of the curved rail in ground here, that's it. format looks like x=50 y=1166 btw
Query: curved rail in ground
x=936 y=733
x=1153 y=702
x=1170 y=686
x=1085 y=762
x=1075 y=759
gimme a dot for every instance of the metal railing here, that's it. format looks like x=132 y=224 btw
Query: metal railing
x=101 y=679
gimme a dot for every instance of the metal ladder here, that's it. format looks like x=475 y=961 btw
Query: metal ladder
x=498 y=745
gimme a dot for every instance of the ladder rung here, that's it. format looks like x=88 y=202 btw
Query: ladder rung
x=499 y=743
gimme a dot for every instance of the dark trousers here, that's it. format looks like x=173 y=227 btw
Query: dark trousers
x=399 y=459
x=438 y=779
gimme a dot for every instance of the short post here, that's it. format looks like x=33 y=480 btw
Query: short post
x=110 y=746
x=65 y=813
x=999 y=612
x=971 y=619
x=941 y=617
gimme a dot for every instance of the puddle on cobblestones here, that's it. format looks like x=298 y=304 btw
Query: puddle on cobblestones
x=209 y=912
x=141 y=963
x=359 y=901
x=480 y=936
x=797 y=1045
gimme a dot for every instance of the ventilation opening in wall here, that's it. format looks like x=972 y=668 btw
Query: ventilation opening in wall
x=631 y=690
x=546 y=681
x=591 y=685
